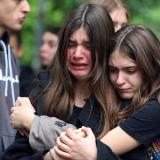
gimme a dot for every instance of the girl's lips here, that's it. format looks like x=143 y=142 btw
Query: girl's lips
x=79 y=66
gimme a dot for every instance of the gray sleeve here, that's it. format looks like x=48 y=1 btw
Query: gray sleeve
x=45 y=130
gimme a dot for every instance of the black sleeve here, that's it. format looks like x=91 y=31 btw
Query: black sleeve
x=143 y=125
x=104 y=152
x=21 y=150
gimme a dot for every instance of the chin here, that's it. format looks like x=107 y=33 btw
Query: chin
x=127 y=96
x=17 y=28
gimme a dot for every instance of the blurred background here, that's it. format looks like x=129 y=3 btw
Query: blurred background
x=53 y=12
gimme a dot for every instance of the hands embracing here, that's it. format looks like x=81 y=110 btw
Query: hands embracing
x=77 y=145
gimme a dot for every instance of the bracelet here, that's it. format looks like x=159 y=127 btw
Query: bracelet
x=51 y=154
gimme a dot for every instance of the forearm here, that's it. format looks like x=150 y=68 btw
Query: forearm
x=45 y=130
x=119 y=141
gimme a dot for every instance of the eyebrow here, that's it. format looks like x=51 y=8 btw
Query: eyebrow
x=84 y=41
x=125 y=67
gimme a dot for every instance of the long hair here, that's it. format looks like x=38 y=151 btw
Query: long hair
x=59 y=94
x=141 y=45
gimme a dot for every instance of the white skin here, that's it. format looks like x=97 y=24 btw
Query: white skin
x=22 y=115
x=124 y=75
x=79 y=64
x=48 y=48
x=119 y=18
x=79 y=56
x=12 y=14
x=127 y=79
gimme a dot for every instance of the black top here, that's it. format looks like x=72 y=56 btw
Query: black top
x=90 y=115
x=26 y=79
x=143 y=125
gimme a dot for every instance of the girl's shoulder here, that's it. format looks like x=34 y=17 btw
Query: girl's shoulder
x=152 y=104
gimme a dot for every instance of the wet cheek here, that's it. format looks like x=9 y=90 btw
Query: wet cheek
x=68 y=58
x=88 y=58
x=112 y=79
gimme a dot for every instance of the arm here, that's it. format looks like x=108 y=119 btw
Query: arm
x=116 y=138
x=138 y=129
x=45 y=130
x=70 y=145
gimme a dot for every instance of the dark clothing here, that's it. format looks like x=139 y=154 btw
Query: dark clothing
x=104 y=152
x=26 y=79
x=90 y=115
x=143 y=126
x=9 y=91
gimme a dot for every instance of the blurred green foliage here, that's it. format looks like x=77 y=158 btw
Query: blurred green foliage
x=53 y=13
x=145 y=12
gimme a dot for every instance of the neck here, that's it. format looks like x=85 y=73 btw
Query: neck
x=81 y=93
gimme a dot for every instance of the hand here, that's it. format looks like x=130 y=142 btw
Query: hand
x=22 y=117
x=24 y=132
x=47 y=156
x=24 y=101
x=72 y=146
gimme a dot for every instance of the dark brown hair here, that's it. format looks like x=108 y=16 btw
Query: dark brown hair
x=59 y=97
x=141 y=45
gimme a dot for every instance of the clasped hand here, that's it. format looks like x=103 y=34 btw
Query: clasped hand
x=77 y=145
x=22 y=115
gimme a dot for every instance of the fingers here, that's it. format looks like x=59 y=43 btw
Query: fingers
x=80 y=133
x=13 y=109
x=63 y=139
x=24 y=101
x=12 y=117
x=87 y=131
x=23 y=132
x=71 y=133
x=62 y=153
x=62 y=146
x=21 y=116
